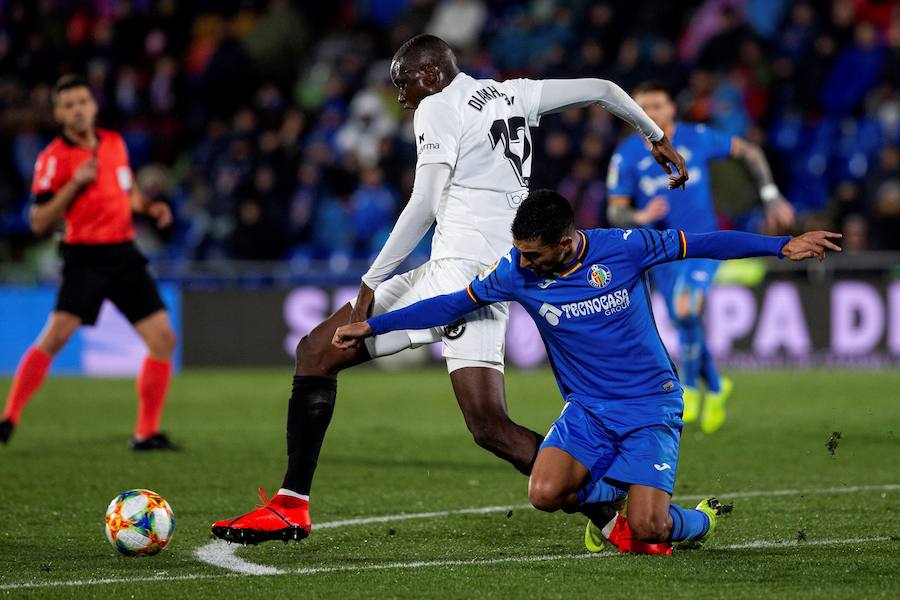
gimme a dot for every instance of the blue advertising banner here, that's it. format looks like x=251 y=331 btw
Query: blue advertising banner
x=110 y=349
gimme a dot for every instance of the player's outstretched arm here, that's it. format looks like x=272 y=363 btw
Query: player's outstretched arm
x=724 y=245
x=558 y=95
x=412 y=224
x=425 y=314
x=811 y=244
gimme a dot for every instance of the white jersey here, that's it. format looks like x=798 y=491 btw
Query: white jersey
x=480 y=127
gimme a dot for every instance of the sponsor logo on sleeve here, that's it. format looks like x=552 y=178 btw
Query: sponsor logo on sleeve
x=123 y=174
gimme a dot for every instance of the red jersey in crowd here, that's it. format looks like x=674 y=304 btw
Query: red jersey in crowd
x=101 y=213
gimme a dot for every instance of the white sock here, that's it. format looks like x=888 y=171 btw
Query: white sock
x=292 y=494
x=607 y=529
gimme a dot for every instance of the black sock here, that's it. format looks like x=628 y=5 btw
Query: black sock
x=309 y=413
x=600 y=514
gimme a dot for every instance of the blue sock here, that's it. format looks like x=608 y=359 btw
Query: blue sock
x=599 y=492
x=687 y=523
x=690 y=335
x=708 y=368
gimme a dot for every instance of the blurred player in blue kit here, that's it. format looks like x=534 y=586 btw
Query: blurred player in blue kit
x=618 y=434
x=639 y=198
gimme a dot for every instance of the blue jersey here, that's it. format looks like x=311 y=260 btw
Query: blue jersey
x=633 y=172
x=595 y=317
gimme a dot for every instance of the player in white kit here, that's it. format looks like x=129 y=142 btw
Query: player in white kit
x=474 y=160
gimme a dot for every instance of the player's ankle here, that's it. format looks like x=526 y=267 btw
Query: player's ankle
x=290 y=499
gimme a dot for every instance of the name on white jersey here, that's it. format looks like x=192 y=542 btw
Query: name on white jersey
x=479 y=99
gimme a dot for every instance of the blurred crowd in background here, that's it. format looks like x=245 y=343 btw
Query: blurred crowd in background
x=273 y=130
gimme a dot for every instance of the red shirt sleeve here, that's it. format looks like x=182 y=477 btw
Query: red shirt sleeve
x=49 y=175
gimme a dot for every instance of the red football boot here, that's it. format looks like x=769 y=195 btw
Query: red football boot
x=281 y=518
x=618 y=533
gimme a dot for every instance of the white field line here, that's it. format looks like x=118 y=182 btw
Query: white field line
x=423 y=515
x=220 y=553
x=756 y=544
x=224 y=555
x=494 y=509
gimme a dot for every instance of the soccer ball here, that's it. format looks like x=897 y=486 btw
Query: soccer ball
x=139 y=523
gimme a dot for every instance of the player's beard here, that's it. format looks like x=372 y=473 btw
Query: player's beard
x=557 y=266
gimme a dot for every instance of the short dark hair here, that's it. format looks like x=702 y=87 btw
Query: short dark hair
x=68 y=82
x=425 y=46
x=651 y=86
x=544 y=214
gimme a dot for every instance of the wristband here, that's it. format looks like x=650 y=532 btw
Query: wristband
x=769 y=193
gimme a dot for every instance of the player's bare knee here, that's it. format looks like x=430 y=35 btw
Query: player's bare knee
x=315 y=357
x=53 y=343
x=161 y=342
x=55 y=339
x=305 y=352
x=544 y=495
x=167 y=341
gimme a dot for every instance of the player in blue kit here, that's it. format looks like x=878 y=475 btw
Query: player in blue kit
x=620 y=428
x=639 y=198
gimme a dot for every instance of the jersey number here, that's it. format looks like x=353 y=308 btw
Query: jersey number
x=510 y=132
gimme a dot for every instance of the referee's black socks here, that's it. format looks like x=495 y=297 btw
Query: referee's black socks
x=309 y=413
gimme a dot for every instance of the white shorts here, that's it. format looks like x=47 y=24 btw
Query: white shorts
x=478 y=338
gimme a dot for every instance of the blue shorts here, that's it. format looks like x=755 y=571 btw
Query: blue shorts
x=693 y=275
x=619 y=448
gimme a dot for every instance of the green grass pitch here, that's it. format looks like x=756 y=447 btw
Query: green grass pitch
x=805 y=523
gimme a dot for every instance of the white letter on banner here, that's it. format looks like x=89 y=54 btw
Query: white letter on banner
x=857 y=318
x=304 y=308
x=730 y=312
x=893 y=341
x=782 y=323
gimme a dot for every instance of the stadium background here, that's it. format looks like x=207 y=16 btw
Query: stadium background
x=273 y=131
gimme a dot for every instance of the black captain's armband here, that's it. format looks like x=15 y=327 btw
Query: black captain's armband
x=42 y=198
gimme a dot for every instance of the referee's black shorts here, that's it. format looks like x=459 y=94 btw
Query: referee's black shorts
x=92 y=273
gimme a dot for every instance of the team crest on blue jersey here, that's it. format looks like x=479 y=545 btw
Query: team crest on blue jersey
x=599 y=276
